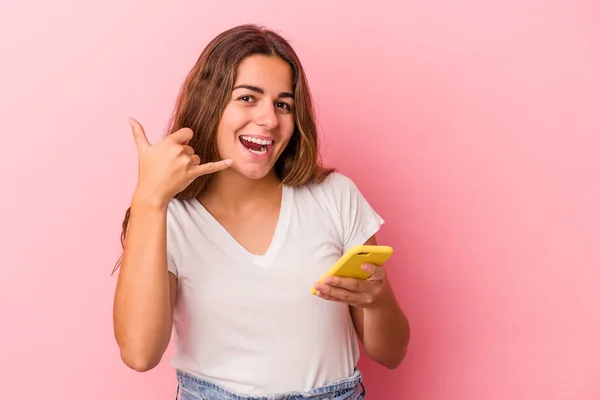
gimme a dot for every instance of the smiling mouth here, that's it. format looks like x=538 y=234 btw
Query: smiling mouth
x=255 y=145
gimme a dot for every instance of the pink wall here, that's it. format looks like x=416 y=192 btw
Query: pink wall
x=472 y=126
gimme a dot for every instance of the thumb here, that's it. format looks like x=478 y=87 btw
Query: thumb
x=141 y=141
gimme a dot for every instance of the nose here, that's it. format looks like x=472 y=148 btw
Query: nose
x=266 y=116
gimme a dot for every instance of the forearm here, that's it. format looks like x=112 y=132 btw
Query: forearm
x=142 y=311
x=386 y=331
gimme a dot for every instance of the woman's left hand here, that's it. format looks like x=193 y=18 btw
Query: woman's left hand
x=356 y=292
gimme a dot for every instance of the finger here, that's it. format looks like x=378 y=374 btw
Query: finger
x=352 y=284
x=211 y=167
x=377 y=273
x=327 y=297
x=344 y=295
x=188 y=150
x=182 y=136
x=194 y=159
x=141 y=141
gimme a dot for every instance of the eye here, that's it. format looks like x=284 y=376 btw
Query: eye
x=283 y=105
x=246 y=98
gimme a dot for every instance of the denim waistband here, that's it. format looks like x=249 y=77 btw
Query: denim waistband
x=194 y=388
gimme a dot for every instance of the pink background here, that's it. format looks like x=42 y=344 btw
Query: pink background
x=472 y=126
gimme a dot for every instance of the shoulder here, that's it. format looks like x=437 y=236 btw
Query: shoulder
x=339 y=187
x=332 y=188
x=336 y=182
x=336 y=193
x=328 y=195
x=178 y=207
x=175 y=209
x=179 y=220
x=338 y=179
x=179 y=214
x=357 y=220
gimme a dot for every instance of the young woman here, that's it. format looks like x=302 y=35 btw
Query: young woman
x=232 y=222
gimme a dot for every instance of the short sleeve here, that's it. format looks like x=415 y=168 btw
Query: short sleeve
x=171 y=237
x=359 y=221
x=171 y=240
x=172 y=267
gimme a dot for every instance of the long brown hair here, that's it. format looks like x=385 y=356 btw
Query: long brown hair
x=207 y=90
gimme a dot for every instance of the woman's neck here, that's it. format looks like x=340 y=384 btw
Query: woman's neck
x=232 y=191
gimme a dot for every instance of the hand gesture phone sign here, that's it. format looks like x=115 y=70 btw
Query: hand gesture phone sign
x=169 y=166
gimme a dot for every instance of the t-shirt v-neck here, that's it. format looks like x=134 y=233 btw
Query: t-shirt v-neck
x=224 y=240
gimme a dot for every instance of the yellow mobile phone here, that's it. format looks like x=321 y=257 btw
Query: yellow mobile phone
x=348 y=265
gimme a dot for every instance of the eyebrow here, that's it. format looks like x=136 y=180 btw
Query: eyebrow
x=261 y=91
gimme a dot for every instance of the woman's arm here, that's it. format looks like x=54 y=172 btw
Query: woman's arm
x=380 y=323
x=146 y=291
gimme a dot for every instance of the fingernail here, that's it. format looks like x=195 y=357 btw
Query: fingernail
x=328 y=280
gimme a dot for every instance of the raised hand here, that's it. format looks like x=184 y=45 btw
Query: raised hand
x=169 y=166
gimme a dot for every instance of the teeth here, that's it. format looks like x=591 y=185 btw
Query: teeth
x=264 y=142
x=258 y=152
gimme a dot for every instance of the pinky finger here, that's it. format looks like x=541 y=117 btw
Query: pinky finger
x=211 y=167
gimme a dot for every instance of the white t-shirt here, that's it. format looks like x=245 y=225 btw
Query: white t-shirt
x=249 y=322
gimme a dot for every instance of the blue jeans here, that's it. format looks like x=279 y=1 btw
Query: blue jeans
x=193 y=388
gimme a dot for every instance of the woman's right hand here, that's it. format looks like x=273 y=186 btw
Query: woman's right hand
x=169 y=166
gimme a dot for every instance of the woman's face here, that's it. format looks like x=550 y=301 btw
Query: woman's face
x=258 y=121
